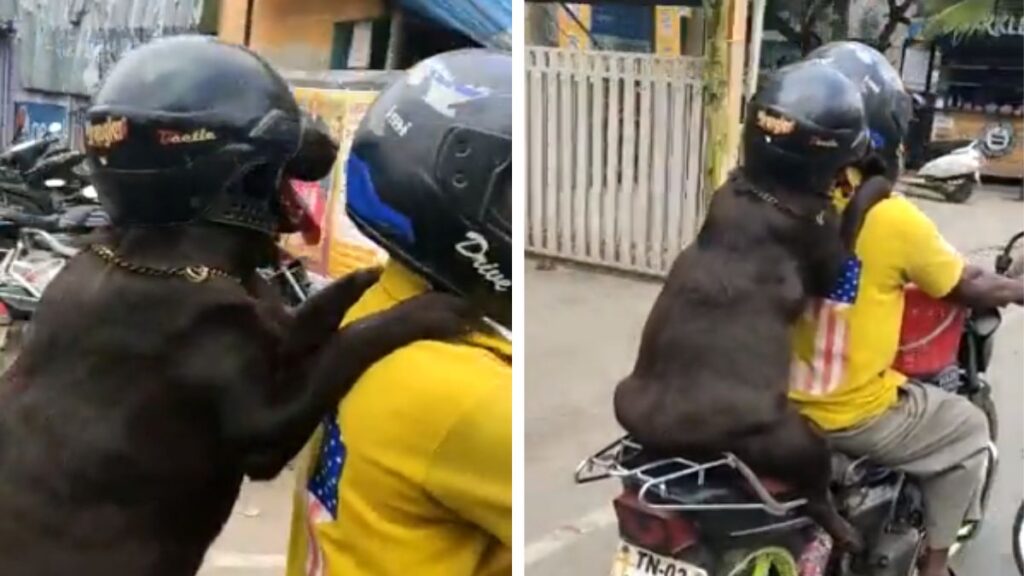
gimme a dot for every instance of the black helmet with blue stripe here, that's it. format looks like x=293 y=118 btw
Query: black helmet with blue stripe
x=887 y=104
x=429 y=175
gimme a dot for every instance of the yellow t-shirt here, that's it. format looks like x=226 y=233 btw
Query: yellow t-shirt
x=845 y=345
x=414 y=473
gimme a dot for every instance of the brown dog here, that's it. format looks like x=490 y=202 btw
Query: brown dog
x=140 y=401
x=713 y=367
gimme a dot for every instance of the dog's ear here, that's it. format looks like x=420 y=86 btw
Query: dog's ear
x=871 y=192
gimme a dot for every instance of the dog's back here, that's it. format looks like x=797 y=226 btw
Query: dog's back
x=711 y=348
x=102 y=406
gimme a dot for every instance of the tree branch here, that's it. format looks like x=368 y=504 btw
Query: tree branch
x=782 y=26
x=809 y=39
x=897 y=16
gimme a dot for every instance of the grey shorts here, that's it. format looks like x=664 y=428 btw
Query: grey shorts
x=939 y=438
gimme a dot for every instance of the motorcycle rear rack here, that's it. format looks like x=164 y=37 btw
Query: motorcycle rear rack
x=655 y=476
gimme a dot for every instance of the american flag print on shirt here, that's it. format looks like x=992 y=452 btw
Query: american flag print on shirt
x=826 y=368
x=322 y=492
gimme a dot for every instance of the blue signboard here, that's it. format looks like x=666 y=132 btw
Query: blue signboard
x=623 y=27
x=33 y=119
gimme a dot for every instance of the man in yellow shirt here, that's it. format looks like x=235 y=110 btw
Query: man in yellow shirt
x=413 y=474
x=845 y=345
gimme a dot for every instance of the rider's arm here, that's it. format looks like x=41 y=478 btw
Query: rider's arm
x=979 y=288
x=938 y=269
x=471 y=471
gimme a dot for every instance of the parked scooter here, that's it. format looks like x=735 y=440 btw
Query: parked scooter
x=41 y=176
x=951 y=177
x=40 y=246
x=679 y=517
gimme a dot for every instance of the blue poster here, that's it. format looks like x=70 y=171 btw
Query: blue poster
x=32 y=120
x=623 y=27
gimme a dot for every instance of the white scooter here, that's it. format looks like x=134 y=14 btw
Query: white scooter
x=952 y=176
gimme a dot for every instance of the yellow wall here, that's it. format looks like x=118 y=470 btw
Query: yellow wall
x=294 y=34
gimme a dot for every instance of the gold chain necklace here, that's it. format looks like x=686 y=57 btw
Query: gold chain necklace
x=194 y=274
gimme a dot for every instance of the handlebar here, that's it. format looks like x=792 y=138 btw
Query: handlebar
x=49 y=242
x=1005 y=259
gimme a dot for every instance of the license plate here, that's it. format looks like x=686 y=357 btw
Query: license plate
x=635 y=561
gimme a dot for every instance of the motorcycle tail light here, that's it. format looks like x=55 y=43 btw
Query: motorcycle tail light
x=660 y=531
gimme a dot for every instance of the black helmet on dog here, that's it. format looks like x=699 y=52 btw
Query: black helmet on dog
x=887 y=104
x=429 y=175
x=189 y=128
x=803 y=126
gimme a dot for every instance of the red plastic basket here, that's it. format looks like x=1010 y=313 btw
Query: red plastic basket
x=929 y=335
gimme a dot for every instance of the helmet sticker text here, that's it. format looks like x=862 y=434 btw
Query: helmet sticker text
x=173 y=137
x=822 y=143
x=400 y=125
x=106 y=134
x=775 y=125
x=444 y=93
x=475 y=247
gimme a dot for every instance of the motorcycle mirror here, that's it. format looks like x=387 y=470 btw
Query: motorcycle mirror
x=54 y=183
x=90 y=193
x=55 y=128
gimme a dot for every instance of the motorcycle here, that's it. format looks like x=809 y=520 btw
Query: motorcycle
x=680 y=517
x=952 y=176
x=41 y=176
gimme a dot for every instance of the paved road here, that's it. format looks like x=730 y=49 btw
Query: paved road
x=255 y=539
x=582 y=330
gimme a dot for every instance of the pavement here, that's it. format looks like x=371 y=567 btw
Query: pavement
x=582 y=333
x=255 y=540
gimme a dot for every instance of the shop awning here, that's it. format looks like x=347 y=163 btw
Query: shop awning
x=488 y=22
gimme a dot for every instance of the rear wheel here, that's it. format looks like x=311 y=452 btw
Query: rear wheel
x=1018 y=538
x=961 y=192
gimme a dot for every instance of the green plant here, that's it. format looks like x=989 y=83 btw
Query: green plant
x=957 y=16
x=715 y=100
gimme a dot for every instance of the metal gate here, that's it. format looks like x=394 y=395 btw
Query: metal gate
x=615 y=150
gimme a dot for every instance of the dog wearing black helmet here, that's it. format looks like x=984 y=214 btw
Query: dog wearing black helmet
x=713 y=367
x=160 y=371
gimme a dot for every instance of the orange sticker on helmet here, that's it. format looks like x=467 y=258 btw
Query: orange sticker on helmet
x=107 y=133
x=775 y=125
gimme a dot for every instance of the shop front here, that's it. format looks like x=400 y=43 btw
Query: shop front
x=974 y=87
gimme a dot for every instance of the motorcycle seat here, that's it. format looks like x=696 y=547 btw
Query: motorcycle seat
x=840 y=467
x=83 y=216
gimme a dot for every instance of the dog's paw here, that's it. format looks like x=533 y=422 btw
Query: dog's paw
x=437 y=316
x=360 y=280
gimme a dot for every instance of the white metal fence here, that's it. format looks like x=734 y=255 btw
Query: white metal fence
x=615 y=149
